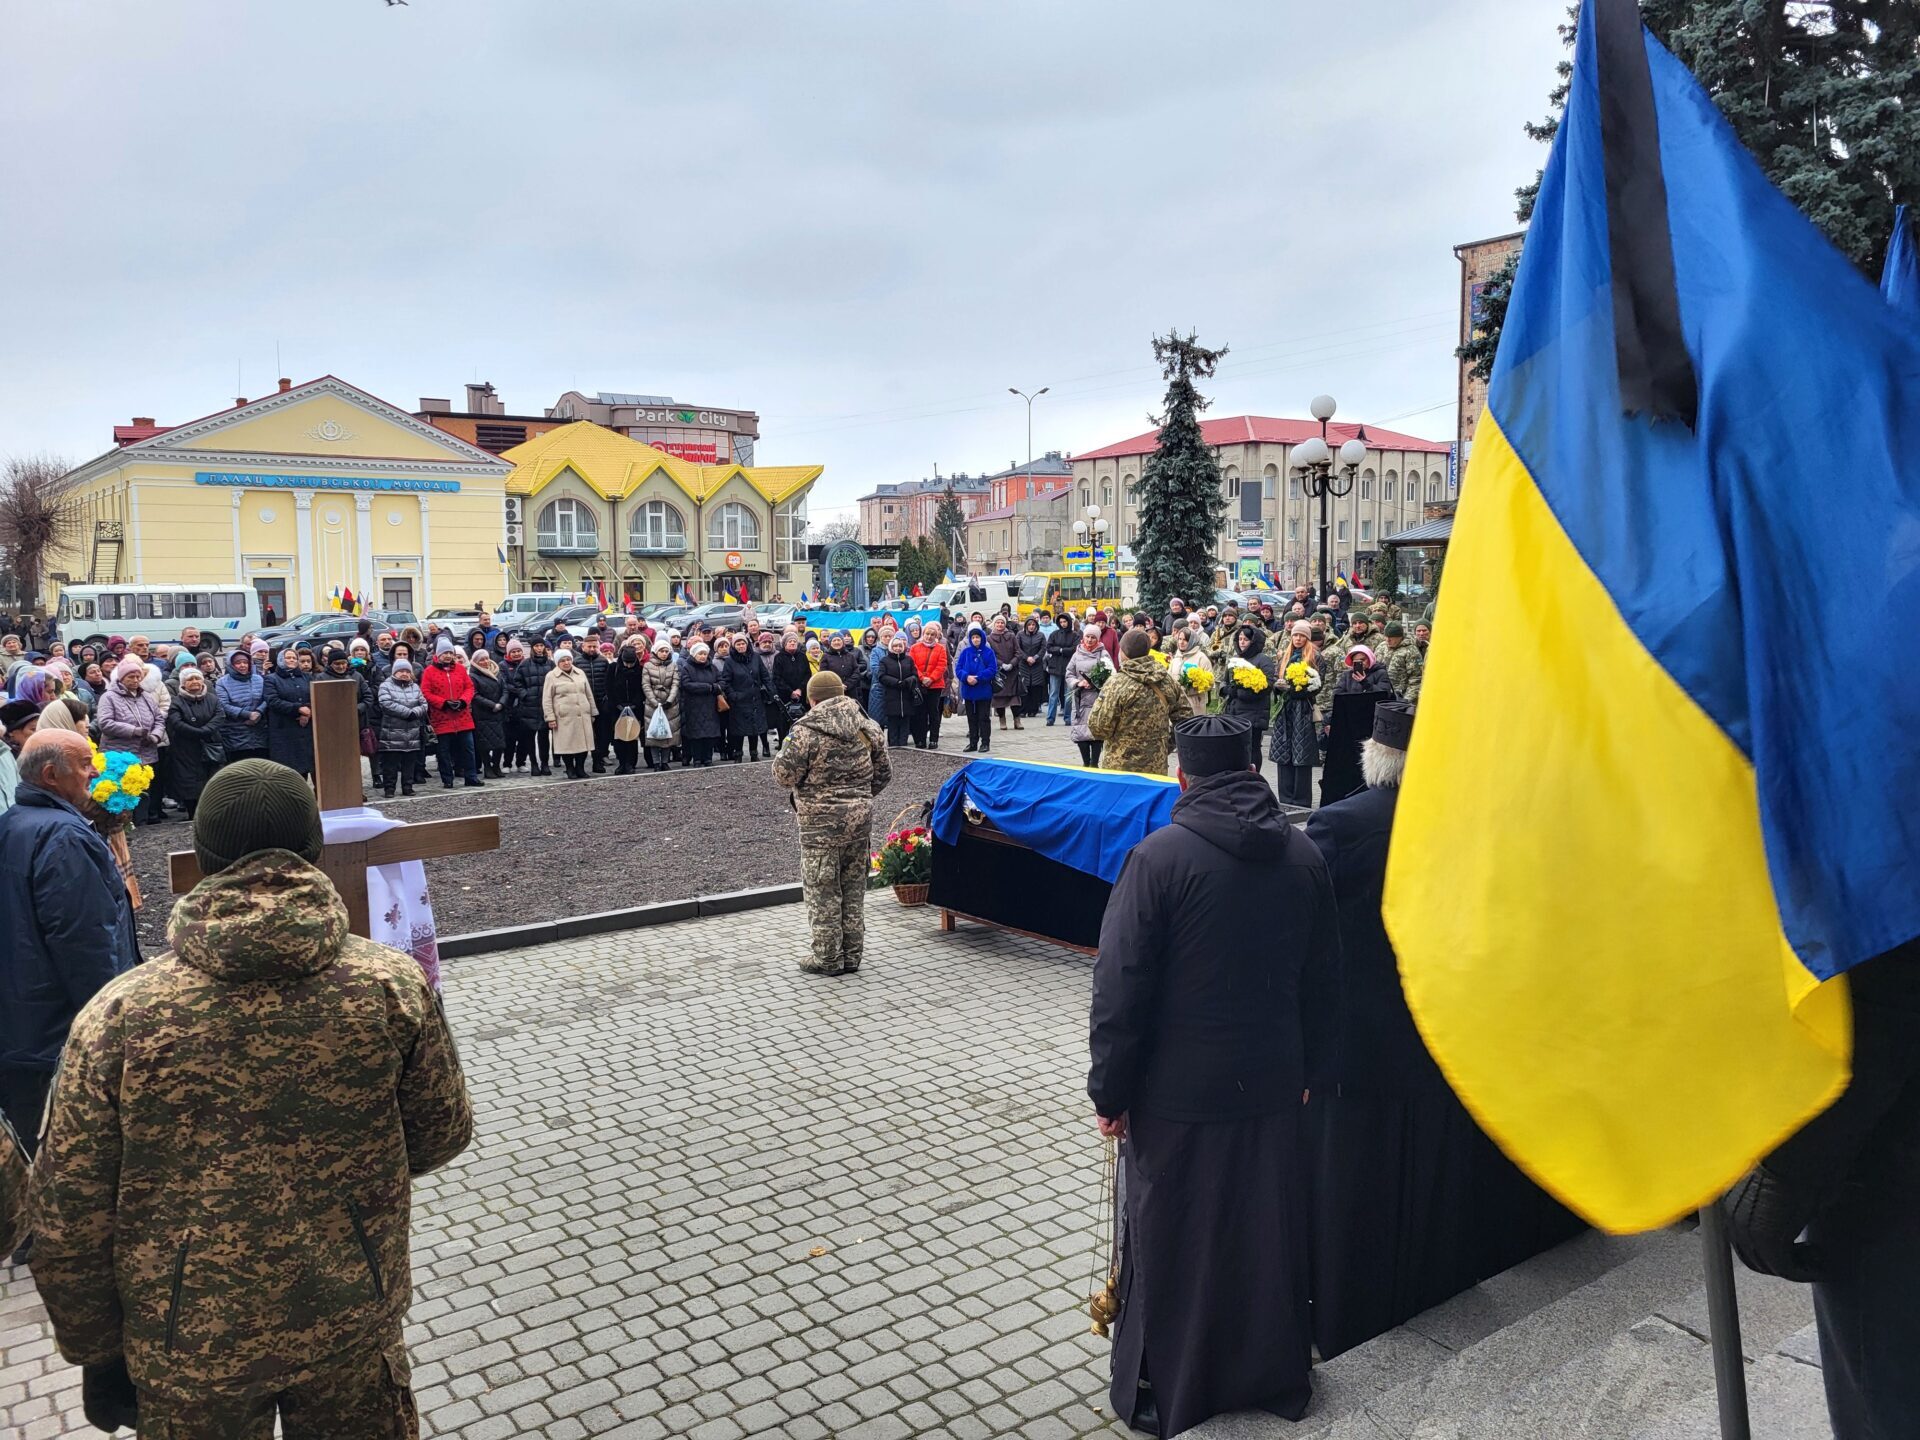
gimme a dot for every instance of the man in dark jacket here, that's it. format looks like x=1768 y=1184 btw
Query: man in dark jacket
x=1848 y=1181
x=222 y=1203
x=1204 y=1021
x=68 y=927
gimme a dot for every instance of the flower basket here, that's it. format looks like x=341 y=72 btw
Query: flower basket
x=911 y=895
x=904 y=862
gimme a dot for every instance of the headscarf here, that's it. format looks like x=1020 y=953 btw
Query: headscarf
x=240 y=658
x=194 y=673
x=33 y=687
x=483 y=661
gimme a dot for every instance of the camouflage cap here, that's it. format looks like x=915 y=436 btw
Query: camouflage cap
x=254 y=805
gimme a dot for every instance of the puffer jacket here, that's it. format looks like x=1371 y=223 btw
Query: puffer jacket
x=1030 y=661
x=130 y=722
x=835 y=762
x=850 y=664
x=1061 y=643
x=660 y=686
x=402 y=710
x=489 y=708
x=700 y=685
x=211 y=1260
x=526 y=692
x=976 y=667
x=240 y=697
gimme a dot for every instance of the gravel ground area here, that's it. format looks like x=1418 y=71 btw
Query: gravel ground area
x=581 y=846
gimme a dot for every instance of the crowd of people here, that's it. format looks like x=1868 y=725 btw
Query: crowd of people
x=486 y=705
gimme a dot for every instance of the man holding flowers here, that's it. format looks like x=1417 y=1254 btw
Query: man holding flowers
x=69 y=928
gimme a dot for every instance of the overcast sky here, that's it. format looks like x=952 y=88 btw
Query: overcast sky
x=865 y=221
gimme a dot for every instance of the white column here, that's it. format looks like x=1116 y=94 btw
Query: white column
x=425 y=601
x=369 y=587
x=303 y=542
x=239 y=565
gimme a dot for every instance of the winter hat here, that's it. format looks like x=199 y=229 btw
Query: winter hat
x=1134 y=644
x=16 y=713
x=255 y=805
x=442 y=645
x=1393 y=724
x=1354 y=650
x=403 y=664
x=1395 y=628
x=129 y=665
x=824 y=686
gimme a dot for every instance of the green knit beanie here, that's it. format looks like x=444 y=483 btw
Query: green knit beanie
x=255 y=805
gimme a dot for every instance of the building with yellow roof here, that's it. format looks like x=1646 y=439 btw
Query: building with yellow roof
x=596 y=508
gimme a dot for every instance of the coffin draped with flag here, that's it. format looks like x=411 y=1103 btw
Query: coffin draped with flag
x=1634 y=860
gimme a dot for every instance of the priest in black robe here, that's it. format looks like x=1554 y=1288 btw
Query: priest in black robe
x=1217 y=949
x=1412 y=1202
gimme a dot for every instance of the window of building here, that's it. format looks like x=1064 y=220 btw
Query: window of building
x=1366 y=531
x=1433 y=486
x=1132 y=491
x=1366 y=485
x=1341 y=532
x=1293 y=529
x=1392 y=483
x=396 y=594
x=1086 y=496
x=567 y=524
x=1233 y=482
x=657 y=526
x=790 y=532
x=1293 y=487
x=1106 y=492
x=733 y=527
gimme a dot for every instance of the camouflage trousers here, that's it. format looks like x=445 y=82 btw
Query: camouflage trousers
x=834 y=878
x=367 y=1396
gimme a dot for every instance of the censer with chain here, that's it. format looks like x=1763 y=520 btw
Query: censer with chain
x=1106 y=1300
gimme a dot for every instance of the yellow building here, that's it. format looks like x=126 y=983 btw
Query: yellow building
x=599 y=508
x=314 y=488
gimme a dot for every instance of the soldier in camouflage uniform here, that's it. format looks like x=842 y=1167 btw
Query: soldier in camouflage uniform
x=221 y=1202
x=834 y=762
x=1359 y=632
x=13 y=1190
x=1405 y=662
x=1137 y=710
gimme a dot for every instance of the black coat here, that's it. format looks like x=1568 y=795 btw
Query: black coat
x=1061 y=643
x=700 y=686
x=1256 y=708
x=288 y=741
x=623 y=686
x=489 y=709
x=749 y=689
x=1033 y=648
x=195 y=746
x=1218 y=965
x=1378 y=1052
x=850 y=665
x=900 y=684
x=791 y=673
x=526 y=692
x=598 y=670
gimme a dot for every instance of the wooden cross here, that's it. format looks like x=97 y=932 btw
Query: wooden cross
x=336 y=779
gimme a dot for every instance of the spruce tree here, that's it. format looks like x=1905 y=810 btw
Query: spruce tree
x=950 y=530
x=1386 y=573
x=1181 y=505
x=1822 y=95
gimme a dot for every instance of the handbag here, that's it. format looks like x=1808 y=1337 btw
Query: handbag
x=369 y=741
x=657 y=728
x=720 y=704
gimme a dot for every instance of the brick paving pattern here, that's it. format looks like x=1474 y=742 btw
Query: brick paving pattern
x=670 y=1122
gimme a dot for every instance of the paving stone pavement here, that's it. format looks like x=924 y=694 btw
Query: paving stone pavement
x=670 y=1123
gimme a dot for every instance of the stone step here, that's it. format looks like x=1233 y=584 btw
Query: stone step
x=1384 y=1371
x=1786 y=1400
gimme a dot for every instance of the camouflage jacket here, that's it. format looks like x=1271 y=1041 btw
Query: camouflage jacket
x=13 y=1190
x=1405 y=664
x=223 y=1191
x=1135 y=715
x=835 y=762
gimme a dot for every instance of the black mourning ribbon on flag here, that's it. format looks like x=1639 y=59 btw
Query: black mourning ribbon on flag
x=1656 y=372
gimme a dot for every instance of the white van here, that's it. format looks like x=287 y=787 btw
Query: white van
x=530 y=603
x=90 y=613
x=985 y=593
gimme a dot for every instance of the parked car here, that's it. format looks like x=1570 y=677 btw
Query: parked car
x=578 y=617
x=775 y=617
x=319 y=626
x=454 y=622
x=717 y=614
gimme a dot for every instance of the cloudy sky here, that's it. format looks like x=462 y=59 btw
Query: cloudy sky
x=863 y=220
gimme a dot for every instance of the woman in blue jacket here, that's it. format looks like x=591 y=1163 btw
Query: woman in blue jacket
x=975 y=667
x=243 y=704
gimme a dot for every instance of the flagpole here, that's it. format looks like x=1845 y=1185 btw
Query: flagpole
x=1723 y=1326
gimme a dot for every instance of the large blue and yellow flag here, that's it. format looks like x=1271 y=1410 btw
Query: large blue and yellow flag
x=1640 y=842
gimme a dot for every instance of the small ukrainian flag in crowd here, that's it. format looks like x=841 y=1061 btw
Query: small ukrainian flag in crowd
x=1635 y=858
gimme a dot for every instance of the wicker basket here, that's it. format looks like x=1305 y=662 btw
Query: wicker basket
x=911 y=895
x=920 y=812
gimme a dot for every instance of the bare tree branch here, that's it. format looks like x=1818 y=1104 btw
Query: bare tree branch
x=40 y=519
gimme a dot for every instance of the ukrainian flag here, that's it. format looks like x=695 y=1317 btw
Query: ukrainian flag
x=1642 y=839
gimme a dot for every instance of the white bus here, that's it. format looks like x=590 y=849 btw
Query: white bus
x=90 y=613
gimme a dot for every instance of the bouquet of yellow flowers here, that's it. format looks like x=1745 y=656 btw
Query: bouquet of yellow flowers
x=1304 y=678
x=1197 y=678
x=1250 y=678
x=1162 y=657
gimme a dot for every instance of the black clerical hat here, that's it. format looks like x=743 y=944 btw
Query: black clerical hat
x=1393 y=724
x=1211 y=744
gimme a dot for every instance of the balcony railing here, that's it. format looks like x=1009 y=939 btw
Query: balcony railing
x=569 y=547
x=643 y=550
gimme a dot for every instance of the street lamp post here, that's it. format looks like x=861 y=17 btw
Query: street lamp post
x=1320 y=476
x=1026 y=556
x=1089 y=531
